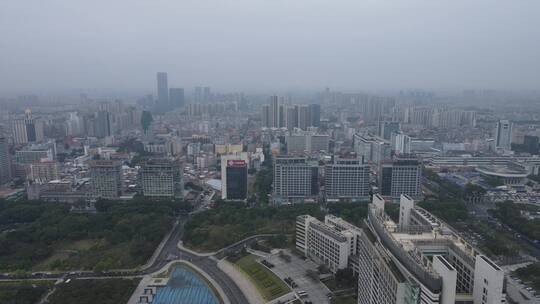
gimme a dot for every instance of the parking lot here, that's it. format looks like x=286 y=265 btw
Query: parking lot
x=517 y=290
x=296 y=269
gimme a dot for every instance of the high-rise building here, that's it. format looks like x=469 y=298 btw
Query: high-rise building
x=162 y=91
x=291 y=117
x=531 y=144
x=233 y=178
x=106 y=178
x=347 y=179
x=315 y=115
x=503 y=135
x=176 y=97
x=303 y=117
x=403 y=175
x=386 y=128
x=401 y=143
x=266 y=117
x=198 y=94
x=27 y=129
x=307 y=142
x=421 y=260
x=5 y=161
x=161 y=178
x=274 y=112
x=371 y=148
x=295 y=178
x=207 y=94
x=282 y=113
x=103 y=124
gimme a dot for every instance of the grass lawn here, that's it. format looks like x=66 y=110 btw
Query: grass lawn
x=330 y=283
x=344 y=300
x=109 y=291
x=23 y=292
x=267 y=283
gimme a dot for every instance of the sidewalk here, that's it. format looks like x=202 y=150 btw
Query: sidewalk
x=243 y=283
x=203 y=254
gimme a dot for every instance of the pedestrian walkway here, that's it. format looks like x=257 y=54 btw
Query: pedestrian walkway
x=249 y=290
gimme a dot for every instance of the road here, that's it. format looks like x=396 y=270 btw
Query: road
x=169 y=252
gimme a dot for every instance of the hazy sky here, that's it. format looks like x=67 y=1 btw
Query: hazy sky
x=269 y=44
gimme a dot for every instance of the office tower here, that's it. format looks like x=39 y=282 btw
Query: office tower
x=274 y=112
x=233 y=178
x=401 y=143
x=28 y=129
x=315 y=115
x=198 y=94
x=503 y=135
x=421 y=261
x=332 y=243
x=307 y=142
x=303 y=117
x=43 y=171
x=531 y=144
x=106 y=178
x=291 y=117
x=282 y=113
x=371 y=148
x=266 y=117
x=347 y=179
x=386 y=128
x=403 y=175
x=161 y=178
x=5 y=161
x=176 y=97
x=207 y=95
x=103 y=124
x=162 y=91
x=295 y=178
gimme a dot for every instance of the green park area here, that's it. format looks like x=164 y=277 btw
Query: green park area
x=230 y=222
x=268 y=284
x=109 y=291
x=38 y=236
x=23 y=292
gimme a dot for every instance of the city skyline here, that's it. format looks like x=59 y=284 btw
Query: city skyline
x=264 y=46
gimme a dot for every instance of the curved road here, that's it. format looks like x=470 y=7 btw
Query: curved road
x=169 y=252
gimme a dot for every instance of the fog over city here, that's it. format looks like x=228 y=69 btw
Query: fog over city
x=270 y=151
x=262 y=45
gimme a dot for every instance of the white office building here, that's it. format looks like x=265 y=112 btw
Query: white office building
x=332 y=243
x=347 y=179
x=422 y=260
x=295 y=178
x=503 y=135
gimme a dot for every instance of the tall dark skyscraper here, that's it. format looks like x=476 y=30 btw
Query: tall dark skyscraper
x=315 y=115
x=103 y=124
x=386 y=128
x=176 y=97
x=274 y=111
x=234 y=179
x=163 y=91
x=5 y=164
